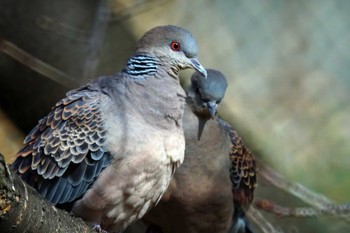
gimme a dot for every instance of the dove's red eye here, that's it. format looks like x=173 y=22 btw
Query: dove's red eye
x=175 y=46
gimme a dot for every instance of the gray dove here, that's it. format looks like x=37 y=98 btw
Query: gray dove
x=111 y=147
x=214 y=186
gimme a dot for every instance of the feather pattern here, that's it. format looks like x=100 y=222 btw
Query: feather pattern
x=139 y=65
x=131 y=122
x=65 y=152
x=243 y=169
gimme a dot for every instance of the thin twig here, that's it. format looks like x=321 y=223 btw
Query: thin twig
x=259 y=220
x=298 y=190
x=36 y=64
x=301 y=212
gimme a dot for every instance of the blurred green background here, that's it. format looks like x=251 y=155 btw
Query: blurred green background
x=288 y=65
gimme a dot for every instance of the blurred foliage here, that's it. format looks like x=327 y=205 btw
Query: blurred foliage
x=11 y=137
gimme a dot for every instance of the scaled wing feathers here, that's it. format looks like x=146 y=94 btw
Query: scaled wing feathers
x=68 y=146
x=243 y=170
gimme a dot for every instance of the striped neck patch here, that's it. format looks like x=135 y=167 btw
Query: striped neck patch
x=141 y=65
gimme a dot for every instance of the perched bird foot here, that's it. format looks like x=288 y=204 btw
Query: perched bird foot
x=99 y=229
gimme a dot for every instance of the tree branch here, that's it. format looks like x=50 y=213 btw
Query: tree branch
x=23 y=210
x=36 y=64
x=263 y=224
x=319 y=201
x=281 y=211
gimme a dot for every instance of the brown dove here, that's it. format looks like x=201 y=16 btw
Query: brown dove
x=214 y=186
x=109 y=148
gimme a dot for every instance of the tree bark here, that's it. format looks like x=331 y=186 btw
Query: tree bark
x=23 y=210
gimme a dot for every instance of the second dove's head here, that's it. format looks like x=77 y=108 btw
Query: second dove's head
x=173 y=45
x=205 y=95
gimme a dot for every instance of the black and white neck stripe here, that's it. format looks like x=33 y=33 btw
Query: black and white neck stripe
x=141 y=65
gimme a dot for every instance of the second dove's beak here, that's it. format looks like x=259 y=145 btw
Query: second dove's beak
x=198 y=67
x=212 y=108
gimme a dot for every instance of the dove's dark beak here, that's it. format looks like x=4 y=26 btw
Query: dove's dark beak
x=201 y=124
x=212 y=108
x=197 y=66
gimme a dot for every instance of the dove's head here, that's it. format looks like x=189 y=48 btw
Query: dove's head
x=172 y=45
x=205 y=95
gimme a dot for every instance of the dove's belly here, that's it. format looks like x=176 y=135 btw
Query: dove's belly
x=144 y=157
x=133 y=183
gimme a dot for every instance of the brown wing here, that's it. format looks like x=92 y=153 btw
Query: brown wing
x=243 y=170
x=65 y=152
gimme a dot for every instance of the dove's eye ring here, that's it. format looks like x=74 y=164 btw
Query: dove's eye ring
x=175 y=46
